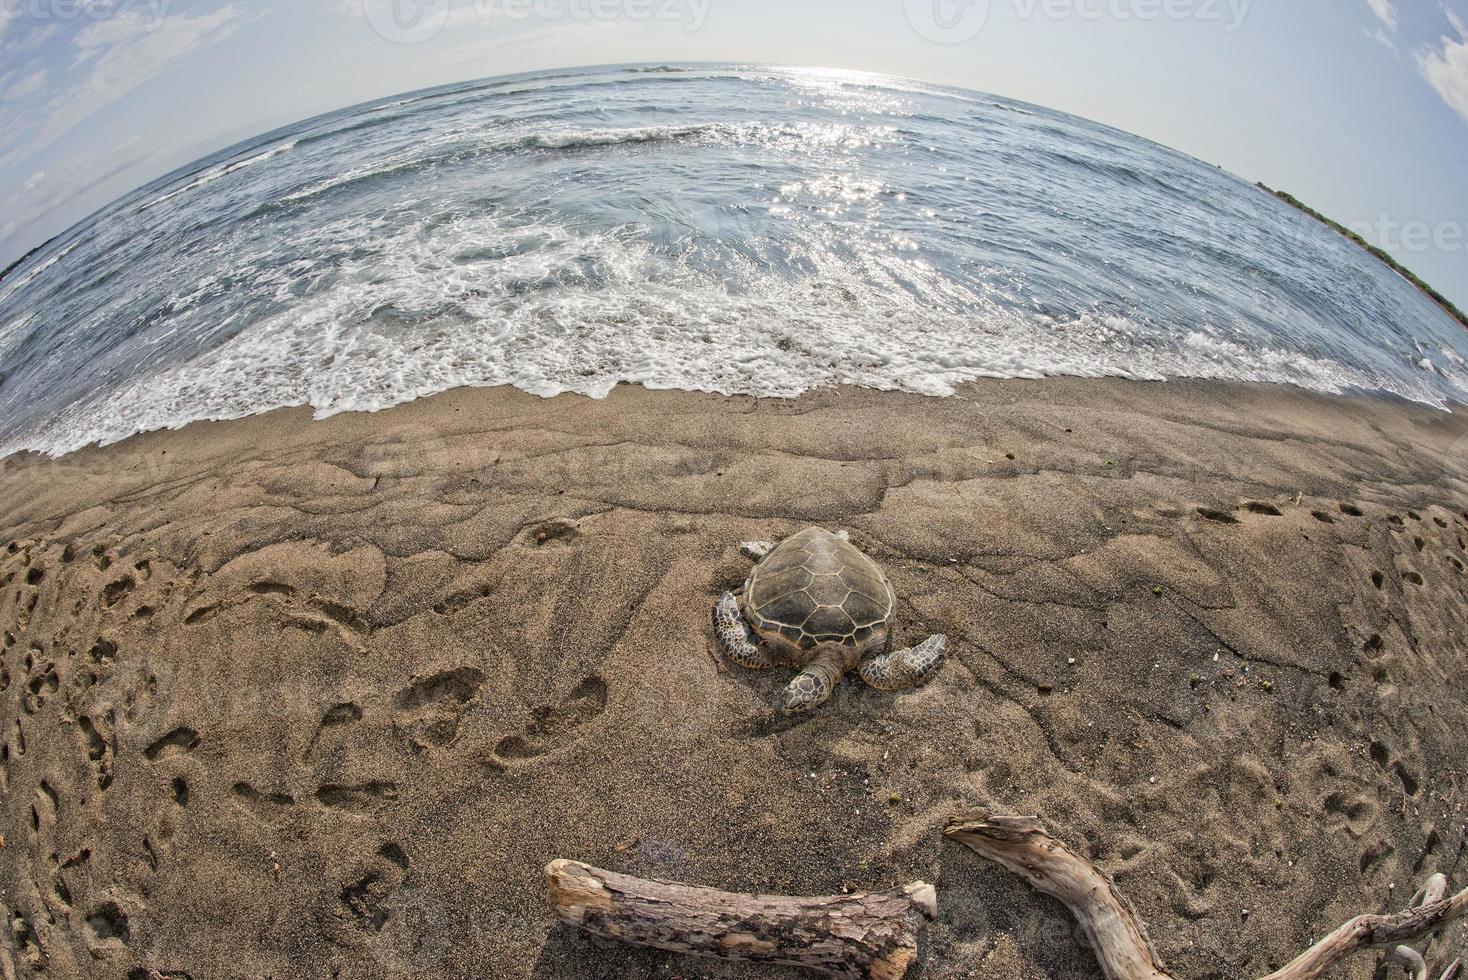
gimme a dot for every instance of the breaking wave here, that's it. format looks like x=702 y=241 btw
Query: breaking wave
x=765 y=231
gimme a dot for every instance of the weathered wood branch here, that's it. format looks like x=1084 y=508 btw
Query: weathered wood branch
x=1372 y=931
x=1409 y=960
x=1024 y=846
x=851 y=936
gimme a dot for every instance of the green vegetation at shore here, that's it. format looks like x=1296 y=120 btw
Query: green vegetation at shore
x=1390 y=262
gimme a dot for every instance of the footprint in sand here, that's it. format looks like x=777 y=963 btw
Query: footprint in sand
x=180 y=741
x=1381 y=754
x=44 y=682
x=337 y=716
x=363 y=796
x=368 y=898
x=462 y=600
x=1431 y=846
x=272 y=808
x=551 y=532
x=202 y=614
x=115 y=592
x=1353 y=813
x=1374 y=855
x=1411 y=785
x=103 y=652
x=430 y=710
x=265 y=806
x=100 y=745
x=49 y=801
x=108 y=927
x=553 y=727
x=26 y=941
x=272 y=588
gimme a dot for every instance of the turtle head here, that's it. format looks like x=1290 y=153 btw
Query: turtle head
x=813 y=687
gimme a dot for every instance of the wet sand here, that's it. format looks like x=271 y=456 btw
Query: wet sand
x=291 y=698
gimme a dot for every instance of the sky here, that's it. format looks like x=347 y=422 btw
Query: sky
x=1359 y=107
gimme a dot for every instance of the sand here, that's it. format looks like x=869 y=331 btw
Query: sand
x=285 y=698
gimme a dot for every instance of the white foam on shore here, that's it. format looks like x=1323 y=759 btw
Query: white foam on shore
x=482 y=303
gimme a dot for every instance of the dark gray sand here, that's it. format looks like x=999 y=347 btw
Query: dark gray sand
x=285 y=698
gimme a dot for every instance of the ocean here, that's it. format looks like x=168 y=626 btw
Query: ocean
x=727 y=228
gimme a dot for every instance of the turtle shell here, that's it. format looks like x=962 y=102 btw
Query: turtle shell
x=817 y=588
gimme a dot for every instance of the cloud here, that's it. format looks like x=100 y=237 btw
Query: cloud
x=127 y=51
x=1386 y=10
x=48 y=190
x=26 y=40
x=1380 y=35
x=1445 y=65
x=103 y=61
x=113 y=57
x=17 y=85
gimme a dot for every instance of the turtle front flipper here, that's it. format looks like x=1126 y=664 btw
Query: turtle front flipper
x=735 y=636
x=902 y=669
x=813 y=687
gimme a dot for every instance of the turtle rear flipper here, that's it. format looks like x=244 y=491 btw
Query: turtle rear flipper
x=738 y=640
x=813 y=687
x=903 y=669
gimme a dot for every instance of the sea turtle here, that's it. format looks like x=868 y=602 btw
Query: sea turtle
x=814 y=601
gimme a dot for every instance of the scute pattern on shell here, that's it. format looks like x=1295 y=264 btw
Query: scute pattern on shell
x=816 y=588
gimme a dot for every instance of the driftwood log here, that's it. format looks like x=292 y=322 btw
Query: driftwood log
x=1024 y=846
x=856 y=936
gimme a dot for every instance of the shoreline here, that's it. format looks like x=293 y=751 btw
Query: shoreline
x=326 y=696
x=1347 y=396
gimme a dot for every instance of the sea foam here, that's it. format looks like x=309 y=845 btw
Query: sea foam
x=734 y=229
